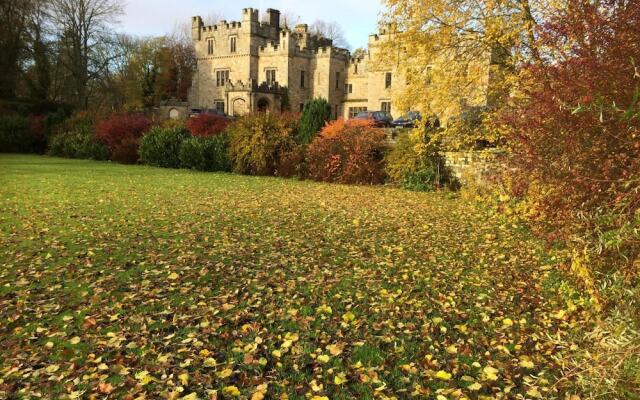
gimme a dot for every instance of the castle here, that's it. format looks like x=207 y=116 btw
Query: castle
x=254 y=65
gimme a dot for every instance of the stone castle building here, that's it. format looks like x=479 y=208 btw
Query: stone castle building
x=254 y=65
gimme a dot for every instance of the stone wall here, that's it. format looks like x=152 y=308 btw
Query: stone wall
x=476 y=167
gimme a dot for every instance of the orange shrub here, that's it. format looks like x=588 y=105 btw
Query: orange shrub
x=348 y=152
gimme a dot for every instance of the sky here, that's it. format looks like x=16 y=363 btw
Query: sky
x=358 y=18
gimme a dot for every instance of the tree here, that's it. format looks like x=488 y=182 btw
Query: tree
x=459 y=53
x=39 y=77
x=13 y=23
x=85 y=33
x=332 y=31
x=315 y=115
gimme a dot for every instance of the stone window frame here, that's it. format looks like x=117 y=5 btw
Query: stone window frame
x=233 y=44
x=388 y=79
x=274 y=79
x=338 y=76
x=303 y=79
x=385 y=106
x=348 y=88
x=222 y=77
x=211 y=45
x=216 y=104
x=353 y=111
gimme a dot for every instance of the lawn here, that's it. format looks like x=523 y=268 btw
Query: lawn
x=131 y=281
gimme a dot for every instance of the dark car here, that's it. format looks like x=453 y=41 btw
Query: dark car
x=380 y=119
x=409 y=120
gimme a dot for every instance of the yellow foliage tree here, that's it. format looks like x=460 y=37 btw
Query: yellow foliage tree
x=457 y=55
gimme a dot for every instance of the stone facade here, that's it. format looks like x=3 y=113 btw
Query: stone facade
x=254 y=65
x=476 y=167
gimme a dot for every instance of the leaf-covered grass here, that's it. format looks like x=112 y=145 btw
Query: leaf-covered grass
x=128 y=280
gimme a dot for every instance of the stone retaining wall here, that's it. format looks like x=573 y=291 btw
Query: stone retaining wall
x=476 y=167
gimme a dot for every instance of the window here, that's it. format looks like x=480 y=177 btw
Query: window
x=337 y=112
x=355 y=69
x=385 y=106
x=301 y=107
x=222 y=77
x=271 y=77
x=210 y=46
x=219 y=105
x=353 y=111
x=232 y=44
x=387 y=80
x=348 y=88
x=337 y=80
x=303 y=76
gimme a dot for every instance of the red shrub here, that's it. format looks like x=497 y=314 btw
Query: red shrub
x=207 y=125
x=348 y=152
x=122 y=133
x=575 y=137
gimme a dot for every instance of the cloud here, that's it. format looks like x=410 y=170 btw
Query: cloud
x=156 y=17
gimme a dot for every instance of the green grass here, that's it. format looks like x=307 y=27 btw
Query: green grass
x=111 y=273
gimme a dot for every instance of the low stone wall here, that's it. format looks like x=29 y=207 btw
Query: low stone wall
x=476 y=167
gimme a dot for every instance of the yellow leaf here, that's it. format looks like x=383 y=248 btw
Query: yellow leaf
x=340 y=379
x=475 y=387
x=75 y=340
x=276 y=353
x=319 y=398
x=173 y=276
x=231 y=391
x=144 y=378
x=443 y=375
x=452 y=349
x=225 y=373
x=334 y=350
x=52 y=368
x=324 y=358
x=348 y=317
x=191 y=396
x=210 y=363
x=526 y=363
x=507 y=322
x=490 y=373
x=184 y=379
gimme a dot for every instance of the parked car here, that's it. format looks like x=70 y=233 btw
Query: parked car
x=196 y=111
x=409 y=120
x=380 y=119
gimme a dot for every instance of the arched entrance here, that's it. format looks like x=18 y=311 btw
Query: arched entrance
x=239 y=107
x=174 y=113
x=263 y=105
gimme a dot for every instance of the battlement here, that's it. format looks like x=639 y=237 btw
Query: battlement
x=250 y=15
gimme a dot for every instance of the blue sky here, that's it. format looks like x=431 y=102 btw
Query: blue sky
x=358 y=18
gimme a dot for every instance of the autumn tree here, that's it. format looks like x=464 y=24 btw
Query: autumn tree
x=459 y=54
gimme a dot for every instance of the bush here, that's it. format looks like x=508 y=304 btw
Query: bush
x=415 y=165
x=14 y=137
x=348 y=152
x=160 y=147
x=78 y=144
x=206 y=153
x=121 y=134
x=207 y=125
x=315 y=115
x=259 y=144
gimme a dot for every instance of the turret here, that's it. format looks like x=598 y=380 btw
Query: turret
x=196 y=28
x=273 y=17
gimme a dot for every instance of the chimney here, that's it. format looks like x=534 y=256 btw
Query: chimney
x=273 y=17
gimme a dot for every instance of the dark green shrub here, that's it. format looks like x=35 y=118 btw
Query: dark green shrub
x=14 y=137
x=260 y=143
x=414 y=164
x=206 y=153
x=82 y=145
x=315 y=115
x=160 y=147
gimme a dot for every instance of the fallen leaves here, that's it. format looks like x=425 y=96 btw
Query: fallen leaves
x=246 y=288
